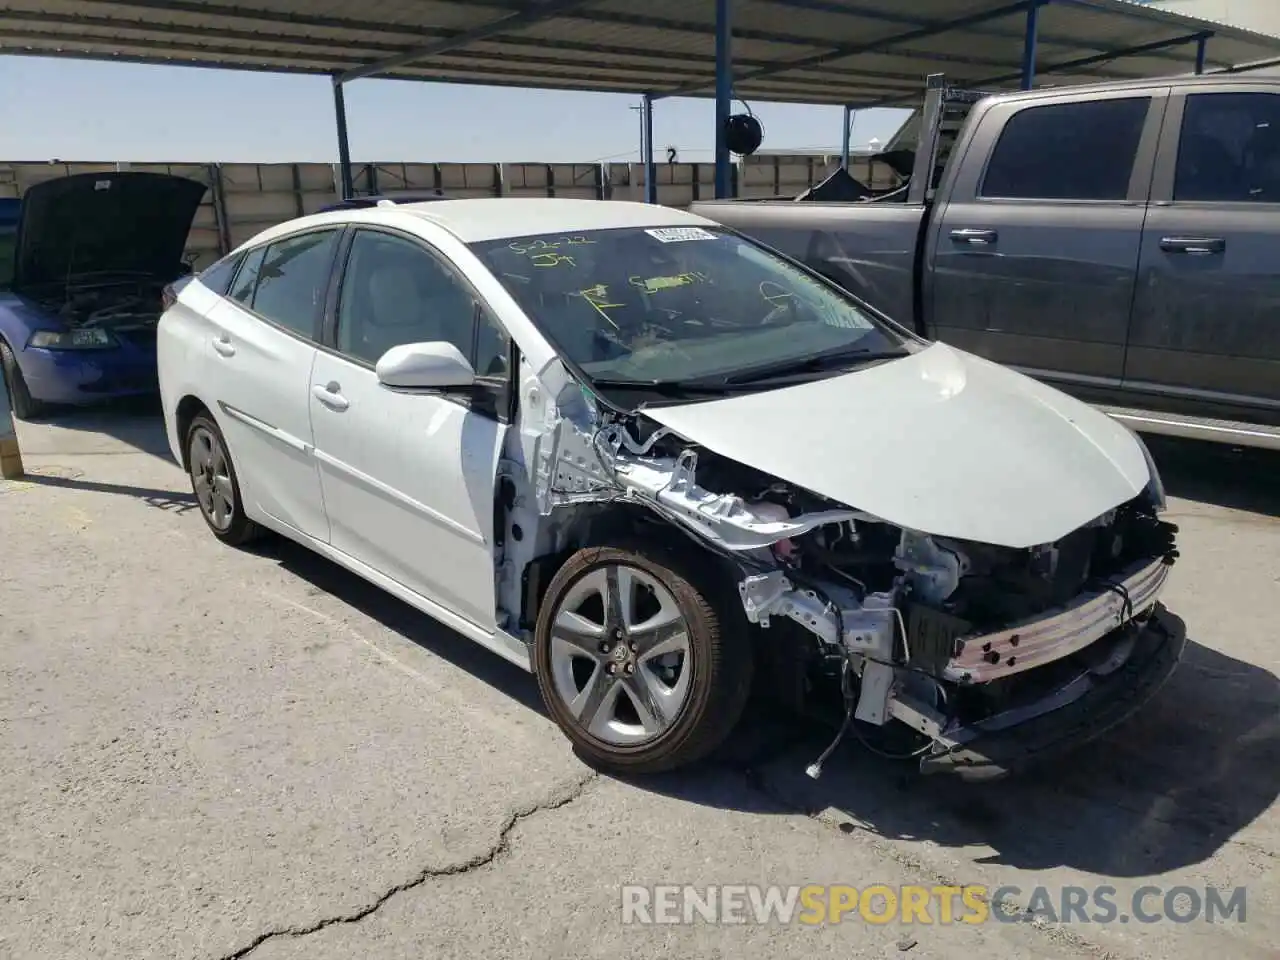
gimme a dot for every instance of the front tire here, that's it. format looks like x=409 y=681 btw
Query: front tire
x=24 y=406
x=214 y=482
x=635 y=664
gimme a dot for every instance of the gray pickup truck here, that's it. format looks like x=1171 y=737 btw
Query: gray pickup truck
x=1120 y=241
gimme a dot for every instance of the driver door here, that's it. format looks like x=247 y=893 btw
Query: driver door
x=408 y=476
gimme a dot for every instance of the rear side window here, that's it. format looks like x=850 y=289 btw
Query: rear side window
x=290 y=280
x=1067 y=151
x=246 y=280
x=1229 y=148
x=217 y=276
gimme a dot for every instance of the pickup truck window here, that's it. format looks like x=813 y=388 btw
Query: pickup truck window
x=1229 y=148
x=678 y=303
x=1067 y=151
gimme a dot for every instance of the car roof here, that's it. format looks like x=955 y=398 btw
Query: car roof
x=501 y=218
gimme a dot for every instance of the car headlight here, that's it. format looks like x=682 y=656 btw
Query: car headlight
x=86 y=338
x=1155 y=486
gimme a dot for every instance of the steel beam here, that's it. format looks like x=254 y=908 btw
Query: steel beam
x=344 y=146
x=875 y=46
x=650 y=168
x=724 y=94
x=845 y=137
x=772 y=35
x=1029 y=47
x=1152 y=47
x=515 y=21
x=1201 y=49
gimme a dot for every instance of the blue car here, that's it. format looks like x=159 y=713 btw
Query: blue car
x=83 y=273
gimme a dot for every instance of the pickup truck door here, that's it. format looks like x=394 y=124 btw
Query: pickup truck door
x=1205 y=323
x=1033 y=251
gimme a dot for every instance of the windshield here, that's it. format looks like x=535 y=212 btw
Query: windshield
x=678 y=304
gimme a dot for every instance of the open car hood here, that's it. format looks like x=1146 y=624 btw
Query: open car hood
x=940 y=442
x=104 y=222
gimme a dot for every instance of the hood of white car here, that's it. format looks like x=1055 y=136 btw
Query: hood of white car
x=941 y=442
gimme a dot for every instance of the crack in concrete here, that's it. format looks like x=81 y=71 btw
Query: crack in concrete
x=560 y=798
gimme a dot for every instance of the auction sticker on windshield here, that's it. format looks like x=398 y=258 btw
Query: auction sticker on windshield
x=679 y=234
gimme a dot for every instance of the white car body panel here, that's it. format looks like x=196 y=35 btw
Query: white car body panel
x=259 y=385
x=408 y=483
x=941 y=442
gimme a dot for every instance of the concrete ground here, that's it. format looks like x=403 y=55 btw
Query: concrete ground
x=210 y=753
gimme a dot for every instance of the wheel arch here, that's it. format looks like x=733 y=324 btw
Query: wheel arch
x=630 y=525
x=188 y=408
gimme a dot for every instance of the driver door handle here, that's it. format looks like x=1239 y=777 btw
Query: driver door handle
x=1193 y=245
x=974 y=236
x=330 y=394
x=223 y=345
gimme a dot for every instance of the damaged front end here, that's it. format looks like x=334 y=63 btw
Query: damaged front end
x=982 y=657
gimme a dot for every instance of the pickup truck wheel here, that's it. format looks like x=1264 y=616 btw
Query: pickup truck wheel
x=20 y=400
x=634 y=663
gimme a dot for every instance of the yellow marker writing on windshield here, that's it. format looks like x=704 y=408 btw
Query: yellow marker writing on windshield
x=655 y=284
x=598 y=297
x=535 y=246
x=550 y=259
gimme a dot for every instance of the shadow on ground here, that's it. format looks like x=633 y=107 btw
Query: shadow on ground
x=170 y=500
x=1166 y=790
x=136 y=423
x=405 y=620
x=1211 y=473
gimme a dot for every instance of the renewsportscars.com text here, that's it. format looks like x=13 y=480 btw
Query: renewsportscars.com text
x=822 y=904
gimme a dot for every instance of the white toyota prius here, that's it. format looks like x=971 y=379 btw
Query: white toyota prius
x=649 y=460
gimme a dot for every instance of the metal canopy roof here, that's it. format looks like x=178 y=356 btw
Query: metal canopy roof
x=811 y=51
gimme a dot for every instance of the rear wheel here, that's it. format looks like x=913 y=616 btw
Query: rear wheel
x=213 y=480
x=20 y=400
x=635 y=664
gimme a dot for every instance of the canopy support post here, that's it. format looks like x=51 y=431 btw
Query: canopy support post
x=650 y=168
x=344 y=147
x=1029 y=47
x=845 y=137
x=1201 y=46
x=724 y=96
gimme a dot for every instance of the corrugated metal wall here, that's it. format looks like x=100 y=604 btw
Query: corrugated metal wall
x=245 y=198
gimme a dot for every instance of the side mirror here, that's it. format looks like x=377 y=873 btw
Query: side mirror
x=436 y=364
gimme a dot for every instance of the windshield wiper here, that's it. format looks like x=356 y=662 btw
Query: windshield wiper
x=667 y=388
x=814 y=364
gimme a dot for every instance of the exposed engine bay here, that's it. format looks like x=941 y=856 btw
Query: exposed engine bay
x=942 y=640
x=110 y=304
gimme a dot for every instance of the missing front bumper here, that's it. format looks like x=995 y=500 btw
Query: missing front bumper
x=1095 y=701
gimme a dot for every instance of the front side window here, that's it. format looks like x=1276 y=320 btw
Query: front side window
x=394 y=292
x=1067 y=151
x=1229 y=148
x=678 y=303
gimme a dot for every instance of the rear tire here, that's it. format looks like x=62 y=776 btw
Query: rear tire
x=24 y=406
x=635 y=664
x=214 y=482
